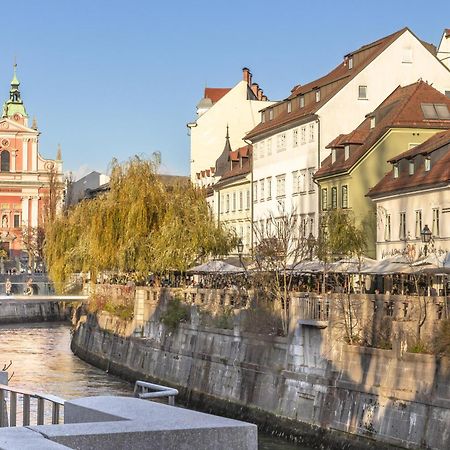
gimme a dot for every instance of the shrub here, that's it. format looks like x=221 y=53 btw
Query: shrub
x=442 y=339
x=419 y=347
x=176 y=313
x=224 y=320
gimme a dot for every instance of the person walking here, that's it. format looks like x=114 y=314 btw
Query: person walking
x=8 y=286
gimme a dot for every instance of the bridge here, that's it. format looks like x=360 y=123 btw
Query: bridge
x=43 y=298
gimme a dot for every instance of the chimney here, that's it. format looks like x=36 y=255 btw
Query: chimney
x=264 y=98
x=255 y=88
x=246 y=75
x=260 y=93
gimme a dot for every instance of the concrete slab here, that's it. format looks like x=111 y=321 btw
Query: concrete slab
x=25 y=439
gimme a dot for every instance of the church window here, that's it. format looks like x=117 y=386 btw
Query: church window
x=4 y=161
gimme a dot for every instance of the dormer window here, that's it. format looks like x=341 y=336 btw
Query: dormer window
x=302 y=101
x=411 y=167
x=372 y=122
x=350 y=63
x=346 y=152
x=270 y=114
x=263 y=117
x=289 y=106
x=317 y=95
x=396 y=170
x=333 y=156
x=427 y=164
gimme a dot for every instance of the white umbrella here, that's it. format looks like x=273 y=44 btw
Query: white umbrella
x=216 y=266
x=353 y=265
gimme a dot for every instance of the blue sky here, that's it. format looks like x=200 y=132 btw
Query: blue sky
x=117 y=78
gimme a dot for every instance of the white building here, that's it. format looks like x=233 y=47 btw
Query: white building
x=237 y=107
x=77 y=189
x=444 y=48
x=290 y=141
x=415 y=193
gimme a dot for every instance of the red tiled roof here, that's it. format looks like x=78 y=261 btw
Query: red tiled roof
x=402 y=109
x=243 y=153
x=334 y=81
x=215 y=94
x=438 y=175
x=447 y=32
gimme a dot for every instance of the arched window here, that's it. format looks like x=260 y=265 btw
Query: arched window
x=4 y=161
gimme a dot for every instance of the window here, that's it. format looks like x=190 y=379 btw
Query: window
x=333 y=155
x=269 y=146
x=16 y=220
x=303 y=135
x=427 y=163
x=334 y=197
x=311 y=184
x=281 y=142
x=346 y=152
x=402 y=230
x=289 y=106
x=255 y=151
x=350 y=63
x=222 y=202
x=263 y=117
x=317 y=95
x=418 y=223
x=295 y=182
x=311 y=224
x=269 y=188
x=387 y=228
x=324 y=199
x=435 y=229
x=301 y=101
x=396 y=170
x=247 y=203
x=411 y=167
x=261 y=190
x=295 y=138
x=270 y=114
x=311 y=132
x=372 y=122
x=234 y=201
x=255 y=191
x=241 y=200
x=362 y=92
x=344 y=196
x=4 y=161
x=303 y=224
x=435 y=111
x=228 y=203
x=281 y=185
x=302 y=181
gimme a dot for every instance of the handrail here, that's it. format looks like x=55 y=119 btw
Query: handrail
x=55 y=401
x=161 y=391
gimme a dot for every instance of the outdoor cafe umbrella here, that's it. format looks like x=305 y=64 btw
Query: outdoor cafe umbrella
x=216 y=266
x=353 y=265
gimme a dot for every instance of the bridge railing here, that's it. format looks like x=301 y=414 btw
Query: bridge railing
x=143 y=389
x=20 y=403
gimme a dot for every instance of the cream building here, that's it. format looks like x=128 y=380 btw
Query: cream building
x=236 y=107
x=444 y=48
x=290 y=140
x=415 y=193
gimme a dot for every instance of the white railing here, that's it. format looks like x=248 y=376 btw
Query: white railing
x=11 y=408
x=143 y=389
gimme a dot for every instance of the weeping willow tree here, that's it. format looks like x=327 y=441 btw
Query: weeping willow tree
x=140 y=225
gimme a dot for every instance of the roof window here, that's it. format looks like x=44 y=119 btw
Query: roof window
x=372 y=122
x=411 y=167
x=333 y=155
x=263 y=117
x=396 y=170
x=346 y=152
x=317 y=95
x=302 y=101
x=270 y=114
x=350 y=62
x=435 y=111
x=427 y=163
x=289 y=106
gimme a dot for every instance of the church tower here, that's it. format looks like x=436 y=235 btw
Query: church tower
x=14 y=107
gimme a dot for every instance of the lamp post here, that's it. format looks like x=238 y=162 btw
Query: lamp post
x=240 y=249
x=426 y=238
x=310 y=242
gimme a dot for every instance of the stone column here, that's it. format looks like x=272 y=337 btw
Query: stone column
x=34 y=155
x=25 y=155
x=34 y=211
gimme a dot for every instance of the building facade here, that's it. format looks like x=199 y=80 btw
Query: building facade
x=290 y=140
x=415 y=193
x=26 y=178
x=237 y=107
x=359 y=160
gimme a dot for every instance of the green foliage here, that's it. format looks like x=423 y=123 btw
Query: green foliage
x=224 y=320
x=419 y=347
x=176 y=313
x=140 y=225
x=341 y=238
x=442 y=339
x=124 y=309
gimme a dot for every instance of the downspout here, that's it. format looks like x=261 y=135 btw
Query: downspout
x=251 y=196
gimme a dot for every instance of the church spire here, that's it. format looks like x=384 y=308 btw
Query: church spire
x=15 y=104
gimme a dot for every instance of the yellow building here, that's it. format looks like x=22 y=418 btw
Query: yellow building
x=359 y=160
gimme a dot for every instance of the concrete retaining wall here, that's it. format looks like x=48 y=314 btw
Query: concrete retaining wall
x=22 y=311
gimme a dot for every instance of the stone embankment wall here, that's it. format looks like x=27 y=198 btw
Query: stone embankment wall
x=308 y=384
x=22 y=311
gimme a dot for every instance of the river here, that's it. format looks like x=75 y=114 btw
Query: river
x=43 y=362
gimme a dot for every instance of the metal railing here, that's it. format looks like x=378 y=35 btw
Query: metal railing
x=315 y=308
x=143 y=389
x=9 y=397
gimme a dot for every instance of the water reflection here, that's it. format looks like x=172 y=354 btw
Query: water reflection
x=42 y=362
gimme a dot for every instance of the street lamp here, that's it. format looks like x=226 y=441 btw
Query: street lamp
x=240 y=249
x=311 y=242
x=426 y=238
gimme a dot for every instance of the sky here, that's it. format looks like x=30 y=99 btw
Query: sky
x=109 y=78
